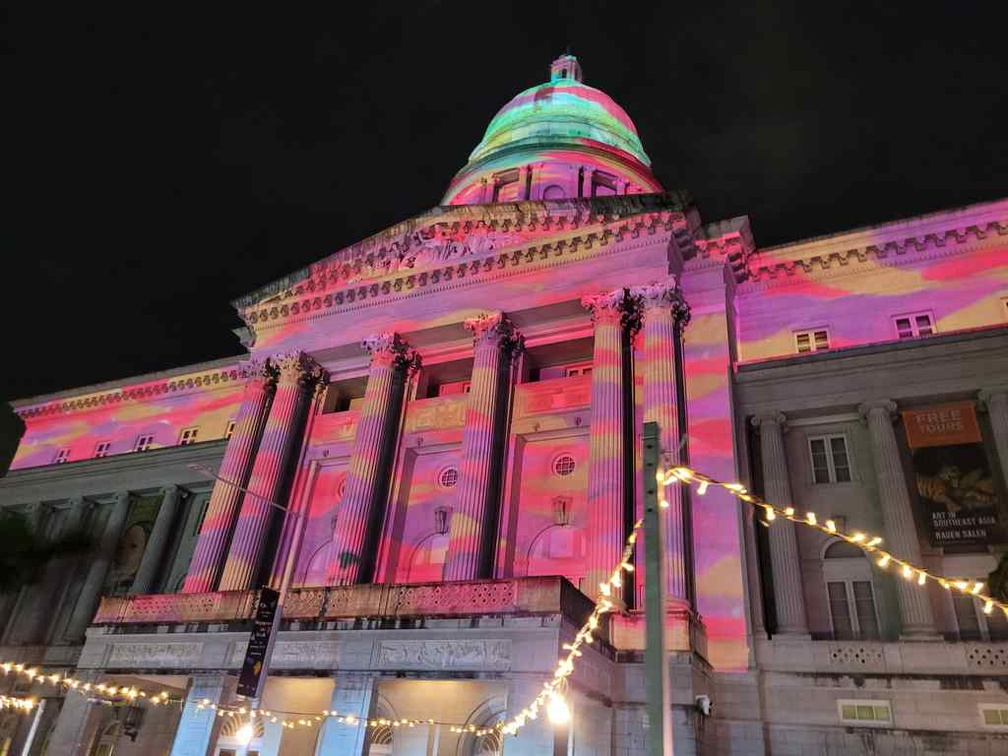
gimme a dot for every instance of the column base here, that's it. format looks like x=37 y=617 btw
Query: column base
x=684 y=629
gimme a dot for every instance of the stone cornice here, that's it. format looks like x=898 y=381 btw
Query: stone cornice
x=824 y=257
x=179 y=385
x=313 y=303
x=396 y=245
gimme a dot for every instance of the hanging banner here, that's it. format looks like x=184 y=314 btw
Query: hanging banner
x=255 y=652
x=944 y=425
x=955 y=487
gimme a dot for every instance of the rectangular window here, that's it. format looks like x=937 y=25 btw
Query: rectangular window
x=843 y=628
x=144 y=442
x=230 y=429
x=914 y=325
x=816 y=340
x=864 y=608
x=852 y=609
x=572 y=370
x=973 y=623
x=994 y=716
x=830 y=460
x=188 y=436
x=102 y=448
x=63 y=455
x=858 y=712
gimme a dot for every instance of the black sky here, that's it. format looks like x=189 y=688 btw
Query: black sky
x=163 y=160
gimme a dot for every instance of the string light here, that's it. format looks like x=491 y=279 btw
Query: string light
x=864 y=541
x=111 y=693
x=18 y=704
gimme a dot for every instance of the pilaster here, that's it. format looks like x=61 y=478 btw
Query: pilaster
x=236 y=467
x=352 y=695
x=473 y=522
x=197 y=729
x=897 y=514
x=361 y=511
x=785 y=560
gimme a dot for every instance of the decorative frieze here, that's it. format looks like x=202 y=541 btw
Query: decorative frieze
x=144 y=655
x=444 y=654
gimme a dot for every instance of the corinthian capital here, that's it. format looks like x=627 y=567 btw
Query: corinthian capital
x=389 y=350
x=492 y=328
x=662 y=295
x=260 y=370
x=298 y=367
x=606 y=307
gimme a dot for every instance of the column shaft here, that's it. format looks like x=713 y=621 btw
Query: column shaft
x=94 y=582
x=664 y=314
x=281 y=439
x=197 y=728
x=996 y=403
x=147 y=573
x=361 y=511
x=897 y=515
x=352 y=695
x=607 y=451
x=785 y=561
x=236 y=467
x=473 y=522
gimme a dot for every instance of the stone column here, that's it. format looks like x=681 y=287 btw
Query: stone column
x=996 y=403
x=897 y=515
x=606 y=484
x=38 y=610
x=472 y=542
x=197 y=728
x=87 y=602
x=281 y=440
x=361 y=511
x=236 y=467
x=538 y=737
x=146 y=576
x=664 y=313
x=73 y=732
x=352 y=695
x=785 y=560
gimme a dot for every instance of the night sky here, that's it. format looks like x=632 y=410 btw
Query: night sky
x=161 y=161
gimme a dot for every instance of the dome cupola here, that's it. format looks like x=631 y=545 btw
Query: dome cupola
x=555 y=140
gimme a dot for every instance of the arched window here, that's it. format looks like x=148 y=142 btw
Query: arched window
x=849 y=592
x=229 y=742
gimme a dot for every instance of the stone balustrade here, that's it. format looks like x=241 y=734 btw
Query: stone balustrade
x=524 y=596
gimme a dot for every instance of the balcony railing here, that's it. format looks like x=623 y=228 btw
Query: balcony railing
x=521 y=597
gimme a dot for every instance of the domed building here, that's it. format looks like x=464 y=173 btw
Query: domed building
x=411 y=519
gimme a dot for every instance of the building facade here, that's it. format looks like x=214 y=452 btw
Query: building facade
x=434 y=442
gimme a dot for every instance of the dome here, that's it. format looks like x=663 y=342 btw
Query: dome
x=554 y=132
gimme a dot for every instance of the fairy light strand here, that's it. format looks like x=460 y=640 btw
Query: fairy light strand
x=112 y=693
x=867 y=542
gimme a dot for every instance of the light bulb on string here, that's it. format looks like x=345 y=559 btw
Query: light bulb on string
x=557 y=710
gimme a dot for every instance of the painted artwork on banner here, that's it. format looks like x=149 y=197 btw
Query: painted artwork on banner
x=955 y=485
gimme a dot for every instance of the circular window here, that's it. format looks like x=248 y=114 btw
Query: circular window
x=448 y=478
x=564 y=465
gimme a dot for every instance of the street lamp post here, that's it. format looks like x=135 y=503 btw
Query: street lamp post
x=285 y=579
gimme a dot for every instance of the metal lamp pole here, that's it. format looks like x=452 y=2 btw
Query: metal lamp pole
x=656 y=660
x=285 y=579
